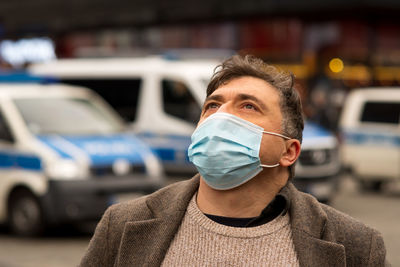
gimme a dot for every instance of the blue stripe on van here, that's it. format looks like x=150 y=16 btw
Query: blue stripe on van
x=13 y=160
x=6 y=160
x=20 y=77
x=165 y=154
x=100 y=149
x=168 y=147
x=106 y=149
x=312 y=130
x=50 y=142
x=369 y=138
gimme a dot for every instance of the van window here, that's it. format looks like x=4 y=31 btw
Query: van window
x=381 y=112
x=179 y=102
x=70 y=116
x=121 y=94
x=5 y=134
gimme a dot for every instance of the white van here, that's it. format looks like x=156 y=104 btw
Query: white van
x=64 y=157
x=370 y=125
x=162 y=99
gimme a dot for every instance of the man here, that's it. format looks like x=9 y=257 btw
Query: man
x=241 y=210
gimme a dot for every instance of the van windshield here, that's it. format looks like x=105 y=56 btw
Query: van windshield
x=67 y=116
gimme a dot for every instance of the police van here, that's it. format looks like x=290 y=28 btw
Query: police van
x=65 y=157
x=162 y=100
x=370 y=126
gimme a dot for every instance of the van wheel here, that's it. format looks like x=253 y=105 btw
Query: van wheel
x=25 y=214
x=371 y=186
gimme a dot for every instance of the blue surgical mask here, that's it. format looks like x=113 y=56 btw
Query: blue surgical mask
x=225 y=150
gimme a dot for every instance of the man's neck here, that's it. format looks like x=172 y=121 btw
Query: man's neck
x=245 y=201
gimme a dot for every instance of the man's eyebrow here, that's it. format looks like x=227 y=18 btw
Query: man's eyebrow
x=253 y=98
x=214 y=97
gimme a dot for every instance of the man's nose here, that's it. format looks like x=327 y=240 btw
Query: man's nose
x=226 y=108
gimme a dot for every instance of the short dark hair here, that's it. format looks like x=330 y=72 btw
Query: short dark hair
x=290 y=102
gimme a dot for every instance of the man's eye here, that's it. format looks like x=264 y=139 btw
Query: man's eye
x=249 y=106
x=212 y=105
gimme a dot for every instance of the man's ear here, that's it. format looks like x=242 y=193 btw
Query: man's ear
x=292 y=152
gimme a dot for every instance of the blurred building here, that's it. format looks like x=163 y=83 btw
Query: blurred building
x=331 y=46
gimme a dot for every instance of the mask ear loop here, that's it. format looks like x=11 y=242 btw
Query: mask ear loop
x=269 y=166
x=276 y=134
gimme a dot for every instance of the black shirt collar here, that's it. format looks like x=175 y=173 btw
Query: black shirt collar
x=278 y=206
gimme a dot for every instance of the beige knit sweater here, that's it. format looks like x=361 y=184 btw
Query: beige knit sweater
x=203 y=242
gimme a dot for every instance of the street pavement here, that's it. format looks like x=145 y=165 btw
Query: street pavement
x=65 y=246
x=378 y=210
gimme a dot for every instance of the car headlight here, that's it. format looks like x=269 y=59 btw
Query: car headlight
x=65 y=169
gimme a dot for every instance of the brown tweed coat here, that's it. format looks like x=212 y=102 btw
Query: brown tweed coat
x=139 y=232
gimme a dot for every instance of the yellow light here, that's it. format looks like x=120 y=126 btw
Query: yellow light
x=336 y=65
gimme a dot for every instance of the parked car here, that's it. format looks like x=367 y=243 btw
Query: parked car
x=64 y=157
x=370 y=128
x=162 y=99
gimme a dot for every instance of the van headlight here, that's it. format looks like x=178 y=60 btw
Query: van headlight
x=65 y=169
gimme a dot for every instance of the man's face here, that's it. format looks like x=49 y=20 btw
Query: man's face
x=256 y=101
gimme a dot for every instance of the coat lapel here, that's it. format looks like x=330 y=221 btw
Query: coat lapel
x=316 y=252
x=314 y=244
x=145 y=243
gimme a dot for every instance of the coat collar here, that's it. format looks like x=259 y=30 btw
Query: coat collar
x=151 y=238
x=314 y=242
x=315 y=246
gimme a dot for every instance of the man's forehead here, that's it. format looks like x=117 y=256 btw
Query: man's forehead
x=246 y=87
